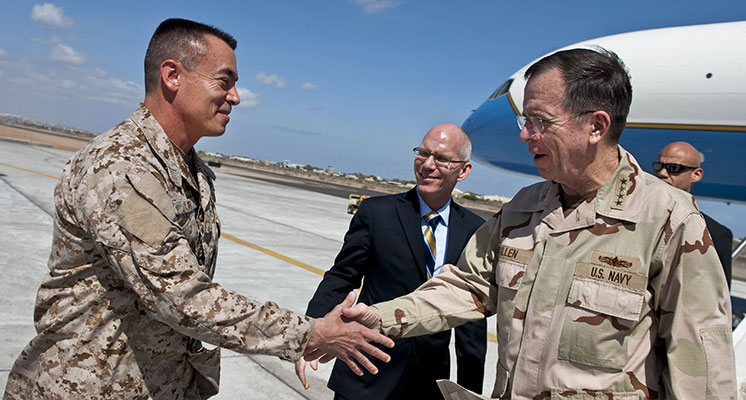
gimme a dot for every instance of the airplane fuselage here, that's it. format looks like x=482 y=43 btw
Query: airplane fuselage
x=688 y=84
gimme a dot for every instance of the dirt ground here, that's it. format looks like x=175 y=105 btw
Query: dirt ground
x=37 y=135
x=71 y=142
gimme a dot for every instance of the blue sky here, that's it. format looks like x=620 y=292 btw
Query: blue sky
x=352 y=84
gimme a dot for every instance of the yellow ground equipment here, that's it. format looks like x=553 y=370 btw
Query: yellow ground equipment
x=355 y=200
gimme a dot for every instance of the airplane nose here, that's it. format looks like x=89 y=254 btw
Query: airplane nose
x=494 y=135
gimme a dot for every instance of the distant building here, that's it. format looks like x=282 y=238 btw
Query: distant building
x=330 y=170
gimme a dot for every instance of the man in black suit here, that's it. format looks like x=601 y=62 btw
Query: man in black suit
x=679 y=165
x=392 y=249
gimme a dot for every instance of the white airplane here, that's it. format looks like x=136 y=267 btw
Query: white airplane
x=688 y=84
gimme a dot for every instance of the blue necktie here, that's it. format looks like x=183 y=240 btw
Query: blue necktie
x=431 y=252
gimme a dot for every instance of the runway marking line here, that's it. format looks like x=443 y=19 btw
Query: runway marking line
x=289 y=260
x=274 y=254
x=29 y=171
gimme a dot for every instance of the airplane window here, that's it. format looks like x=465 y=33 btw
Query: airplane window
x=502 y=89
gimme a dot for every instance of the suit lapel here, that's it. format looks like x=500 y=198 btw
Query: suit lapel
x=408 y=210
x=456 y=234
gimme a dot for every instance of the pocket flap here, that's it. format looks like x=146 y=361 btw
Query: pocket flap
x=606 y=298
x=153 y=190
x=509 y=274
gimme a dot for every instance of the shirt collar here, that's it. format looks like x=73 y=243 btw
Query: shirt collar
x=444 y=212
x=621 y=196
x=173 y=158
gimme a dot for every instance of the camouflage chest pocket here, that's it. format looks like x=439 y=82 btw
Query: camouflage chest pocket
x=509 y=273
x=147 y=210
x=510 y=268
x=604 y=304
x=186 y=218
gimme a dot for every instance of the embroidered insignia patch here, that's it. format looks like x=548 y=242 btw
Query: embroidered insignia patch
x=620 y=194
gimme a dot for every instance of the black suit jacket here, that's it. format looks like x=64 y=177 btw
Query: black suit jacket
x=722 y=238
x=384 y=249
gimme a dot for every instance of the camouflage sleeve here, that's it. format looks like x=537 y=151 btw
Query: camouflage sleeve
x=695 y=316
x=457 y=295
x=137 y=233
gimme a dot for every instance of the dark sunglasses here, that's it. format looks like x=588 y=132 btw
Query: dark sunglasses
x=672 y=168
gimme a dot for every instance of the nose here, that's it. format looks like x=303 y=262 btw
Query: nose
x=662 y=173
x=525 y=135
x=232 y=97
x=429 y=162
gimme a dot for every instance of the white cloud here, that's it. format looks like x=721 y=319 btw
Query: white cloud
x=50 y=15
x=3 y=52
x=296 y=131
x=115 y=85
x=64 y=53
x=109 y=90
x=271 y=80
x=110 y=100
x=308 y=86
x=71 y=83
x=376 y=6
x=248 y=98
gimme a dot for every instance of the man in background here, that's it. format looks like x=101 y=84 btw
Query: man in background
x=130 y=296
x=395 y=244
x=680 y=165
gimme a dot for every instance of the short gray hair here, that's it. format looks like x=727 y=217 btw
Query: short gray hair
x=182 y=40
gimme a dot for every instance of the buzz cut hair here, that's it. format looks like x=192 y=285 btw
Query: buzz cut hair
x=182 y=40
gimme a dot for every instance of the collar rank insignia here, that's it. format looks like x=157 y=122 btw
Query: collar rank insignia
x=620 y=194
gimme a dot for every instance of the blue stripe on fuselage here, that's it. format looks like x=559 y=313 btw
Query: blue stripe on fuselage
x=494 y=133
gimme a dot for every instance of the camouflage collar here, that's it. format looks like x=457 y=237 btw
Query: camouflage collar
x=162 y=146
x=619 y=197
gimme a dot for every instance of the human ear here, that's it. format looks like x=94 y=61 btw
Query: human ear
x=171 y=74
x=697 y=175
x=465 y=171
x=600 y=123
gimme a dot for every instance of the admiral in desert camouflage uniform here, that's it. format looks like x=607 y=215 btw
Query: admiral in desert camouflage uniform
x=603 y=279
x=130 y=293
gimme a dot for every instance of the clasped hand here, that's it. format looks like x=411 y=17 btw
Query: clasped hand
x=345 y=333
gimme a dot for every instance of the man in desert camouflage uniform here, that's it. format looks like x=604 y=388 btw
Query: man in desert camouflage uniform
x=130 y=293
x=603 y=279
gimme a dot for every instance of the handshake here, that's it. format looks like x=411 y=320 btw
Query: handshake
x=345 y=333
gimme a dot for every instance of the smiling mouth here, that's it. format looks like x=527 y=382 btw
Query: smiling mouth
x=226 y=113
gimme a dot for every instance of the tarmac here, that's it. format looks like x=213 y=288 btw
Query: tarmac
x=277 y=242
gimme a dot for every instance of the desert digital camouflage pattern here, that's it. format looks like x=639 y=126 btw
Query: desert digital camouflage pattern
x=130 y=283
x=622 y=299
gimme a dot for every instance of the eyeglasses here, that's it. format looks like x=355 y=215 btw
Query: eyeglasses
x=672 y=168
x=539 y=123
x=441 y=161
